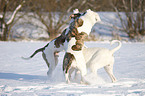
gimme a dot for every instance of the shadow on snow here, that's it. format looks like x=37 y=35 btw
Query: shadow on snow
x=15 y=76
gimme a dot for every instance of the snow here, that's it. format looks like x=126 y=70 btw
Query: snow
x=20 y=77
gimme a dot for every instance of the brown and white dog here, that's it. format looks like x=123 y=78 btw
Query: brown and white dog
x=51 y=50
x=50 y=53
x=96 y=58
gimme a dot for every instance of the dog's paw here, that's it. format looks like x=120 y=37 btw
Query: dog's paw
x=114 y=81
x=85 y=83
x=76 y=48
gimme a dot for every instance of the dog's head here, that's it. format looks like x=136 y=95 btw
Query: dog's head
x=93 y=16
x=74 y=16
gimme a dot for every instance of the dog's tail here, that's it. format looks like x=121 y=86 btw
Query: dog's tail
x=116 y=48
x=38 y=50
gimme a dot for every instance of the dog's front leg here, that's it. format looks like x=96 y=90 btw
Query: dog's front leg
x=67 y=63
x=67 y=77
x=81 y=65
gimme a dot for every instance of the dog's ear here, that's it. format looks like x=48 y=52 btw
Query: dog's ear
x=89 y=10
x=76 y=11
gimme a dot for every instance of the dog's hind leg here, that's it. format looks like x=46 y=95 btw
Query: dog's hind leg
x=48 y=64
x=109 y=70
x=51 y=62
x=44 y=57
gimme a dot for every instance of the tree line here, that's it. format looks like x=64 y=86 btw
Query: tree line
x=133 y=24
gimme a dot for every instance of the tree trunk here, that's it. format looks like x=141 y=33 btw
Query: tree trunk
x=5 y=33
x=5 y=25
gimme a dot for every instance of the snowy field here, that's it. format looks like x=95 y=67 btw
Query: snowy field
x=20 y=77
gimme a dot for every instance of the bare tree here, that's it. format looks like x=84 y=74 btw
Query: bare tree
x=133 y=22
x=5 y=23
x=53 y=14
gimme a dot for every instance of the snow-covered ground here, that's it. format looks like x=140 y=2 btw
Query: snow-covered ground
x=20 y=77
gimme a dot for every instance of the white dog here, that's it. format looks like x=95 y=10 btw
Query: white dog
x=81 y=29
x=97 y=58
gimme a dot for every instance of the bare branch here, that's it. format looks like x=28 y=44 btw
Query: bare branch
x=15 y=12
x=121 y=19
